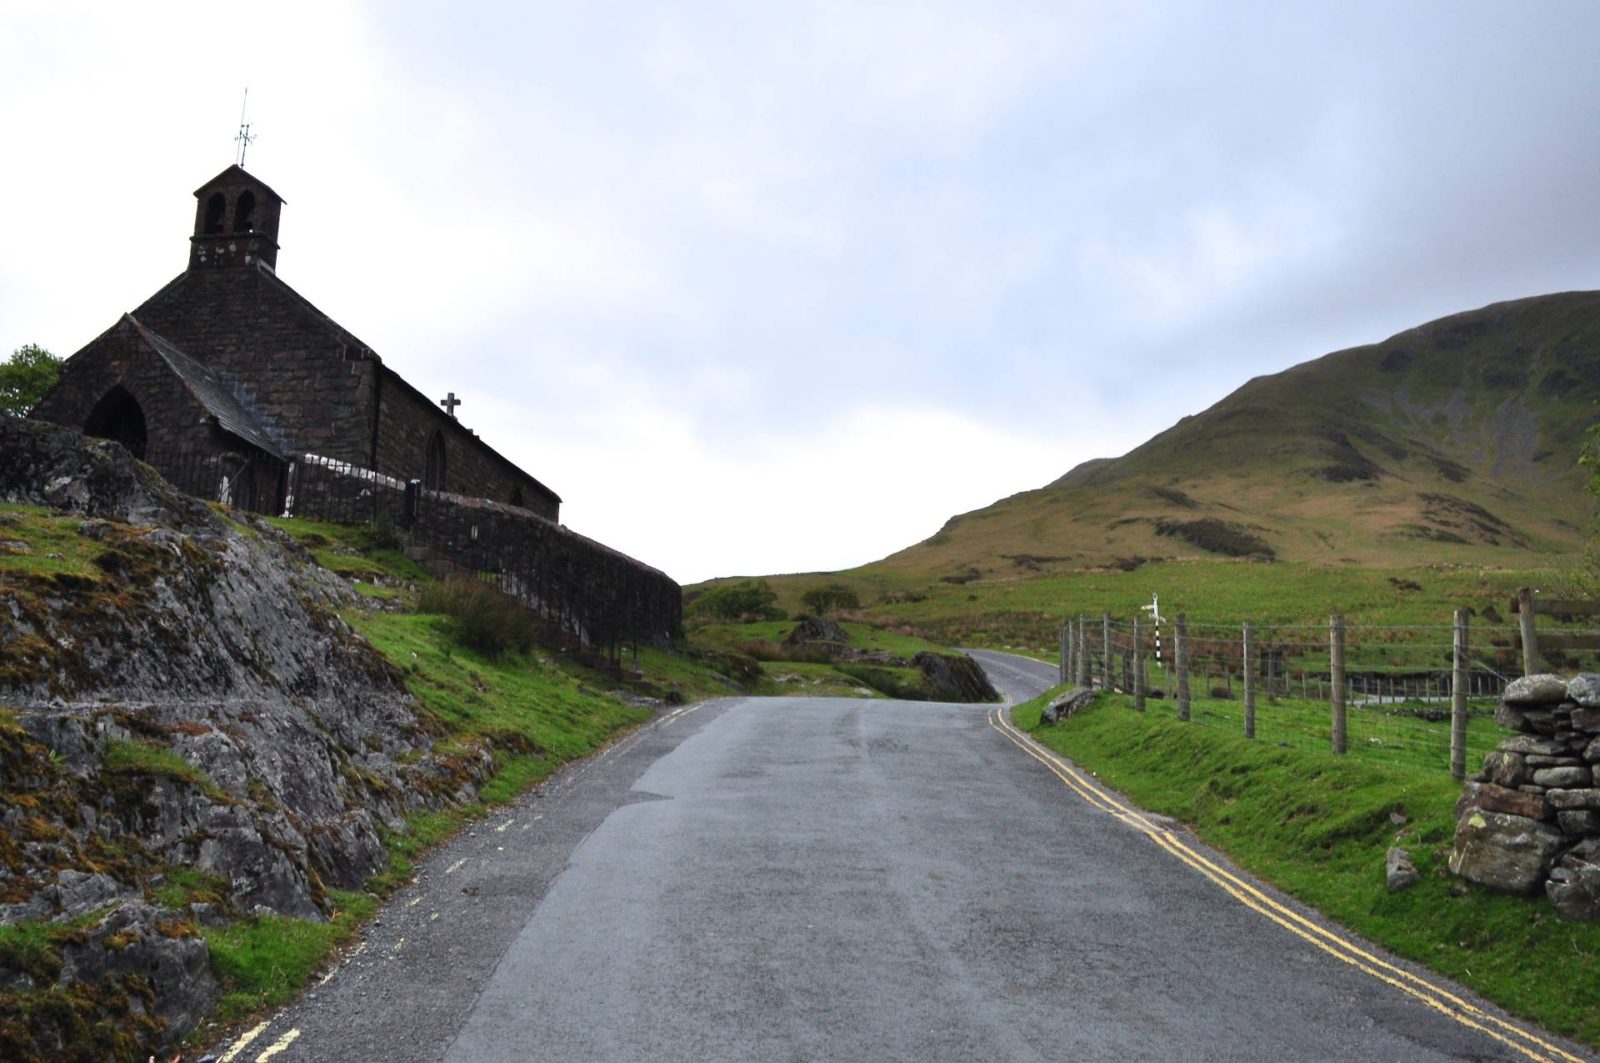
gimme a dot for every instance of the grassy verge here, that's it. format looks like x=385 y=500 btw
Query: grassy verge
x=1317 y=826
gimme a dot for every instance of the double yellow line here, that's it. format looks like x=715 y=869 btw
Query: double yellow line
x=1441 y=1000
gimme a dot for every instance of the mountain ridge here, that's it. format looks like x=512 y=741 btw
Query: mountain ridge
x=1453 y=440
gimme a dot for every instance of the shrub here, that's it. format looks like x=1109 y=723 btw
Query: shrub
x=820 y=601
x=486 y=619
x=750 y=599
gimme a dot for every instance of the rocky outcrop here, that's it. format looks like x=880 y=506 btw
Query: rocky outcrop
x=180 y=694
x=1399 y=873
x=1065 y=704
x=814 y=629
x=948 y=677
x=1530 y=820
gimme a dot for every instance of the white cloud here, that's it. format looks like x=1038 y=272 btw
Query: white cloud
x=764 y=265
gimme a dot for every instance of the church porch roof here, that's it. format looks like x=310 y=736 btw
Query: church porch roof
x=215 y=395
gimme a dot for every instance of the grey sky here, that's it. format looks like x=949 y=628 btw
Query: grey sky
x=778 y=287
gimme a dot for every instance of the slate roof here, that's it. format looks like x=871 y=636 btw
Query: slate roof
x=220 y=399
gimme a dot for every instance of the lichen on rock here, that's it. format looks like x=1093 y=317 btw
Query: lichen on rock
x=193 y=701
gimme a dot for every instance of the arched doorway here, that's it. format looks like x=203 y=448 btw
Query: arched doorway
x=433 y=467
x=117 y=416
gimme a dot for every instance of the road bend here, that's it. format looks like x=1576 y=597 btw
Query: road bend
x=828 y=879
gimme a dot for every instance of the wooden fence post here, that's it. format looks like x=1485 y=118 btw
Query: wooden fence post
x=1064 y=665
x=1336 y=667
x=1180 y=645
x=1138 y=665
x=1530 y=641
x=1106 y=675
x=1458 y=701
x=1249 y=680
x=1084 y=678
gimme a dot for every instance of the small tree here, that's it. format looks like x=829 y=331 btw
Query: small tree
x=25 y=377
x=820 y=601
x=749 y=599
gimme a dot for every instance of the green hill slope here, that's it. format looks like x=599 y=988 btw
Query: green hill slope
x=1452 y=442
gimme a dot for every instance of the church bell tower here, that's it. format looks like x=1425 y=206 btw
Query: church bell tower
x=235 y=222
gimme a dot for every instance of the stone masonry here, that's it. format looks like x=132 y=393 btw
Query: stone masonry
x=227 y=368
x=1530 y=820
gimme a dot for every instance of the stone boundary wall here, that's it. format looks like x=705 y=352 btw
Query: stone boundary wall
x=1530 y=820
x=603 y=597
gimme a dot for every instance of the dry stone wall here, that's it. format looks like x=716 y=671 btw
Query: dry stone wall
x=1530 y=820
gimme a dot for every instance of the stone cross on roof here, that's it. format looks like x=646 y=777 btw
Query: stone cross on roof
x=450 y=402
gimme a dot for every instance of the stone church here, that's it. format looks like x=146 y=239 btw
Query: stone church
x=227 y=377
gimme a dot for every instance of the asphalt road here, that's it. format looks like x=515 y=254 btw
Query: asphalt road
x=800 y=879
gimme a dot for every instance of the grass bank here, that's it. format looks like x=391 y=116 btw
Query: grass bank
x=1317 y=826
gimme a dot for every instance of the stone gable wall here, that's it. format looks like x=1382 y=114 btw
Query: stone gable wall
x=120 y=357
x=306 y=374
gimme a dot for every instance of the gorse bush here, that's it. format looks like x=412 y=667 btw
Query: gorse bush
x=487 y=619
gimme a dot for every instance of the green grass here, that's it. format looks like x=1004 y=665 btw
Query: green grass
x=814 y=675
x=123 y=757
x=52 y=544
x=33 y=949
x=1388 y=733
x=1318 y=826
x=262 y=963
x=862 y=637
x=355 y=551
x=183 y=886
x=1390 y=626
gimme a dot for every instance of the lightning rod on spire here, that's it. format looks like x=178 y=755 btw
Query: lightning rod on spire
x=244 y=137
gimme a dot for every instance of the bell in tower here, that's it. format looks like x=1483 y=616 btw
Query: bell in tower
x=235 y=222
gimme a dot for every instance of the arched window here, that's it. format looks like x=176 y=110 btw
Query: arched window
x=117 y=416
x=216 y=211
x=433 y=470
x=244 y=212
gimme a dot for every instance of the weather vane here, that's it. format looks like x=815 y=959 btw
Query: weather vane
x=245 y=137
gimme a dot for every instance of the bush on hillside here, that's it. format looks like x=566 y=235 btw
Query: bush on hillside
x=823 y=601
x=487 y=619
x=751 y=599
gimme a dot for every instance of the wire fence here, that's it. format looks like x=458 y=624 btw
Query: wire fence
x=1423 y=695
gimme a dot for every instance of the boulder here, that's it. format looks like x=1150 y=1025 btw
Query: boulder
x=1573 y=800
x=140 y=942
x=1574 y=884
x=1584 y=688
x=1563 y=777
x=948 y=677
x=1399 y=872
x=1532 y=744
x=1536 y=690
x=1591 y=752
x=1579 y=822
x=1586 y=719
x=1065 y=704
x=1504 y=852
x=1536 y=760
x=816 y=629
x=1492 y=798
x=1504 y=769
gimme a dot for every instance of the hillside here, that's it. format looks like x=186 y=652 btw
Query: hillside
x=1452 y=442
